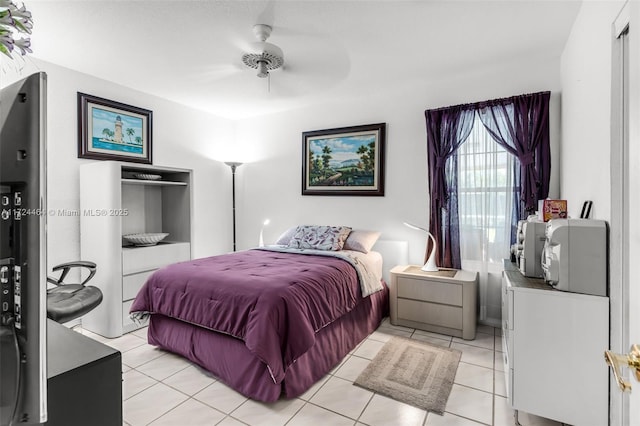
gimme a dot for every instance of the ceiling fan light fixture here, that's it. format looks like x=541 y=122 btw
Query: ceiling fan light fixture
x=263 y=56
x=262 y=69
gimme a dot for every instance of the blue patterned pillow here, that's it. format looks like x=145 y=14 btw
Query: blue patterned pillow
x=319 y=237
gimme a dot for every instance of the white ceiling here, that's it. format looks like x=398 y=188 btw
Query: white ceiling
x=190 y=51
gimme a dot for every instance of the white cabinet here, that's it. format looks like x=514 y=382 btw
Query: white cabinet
x=553 y=346
x=116 y=200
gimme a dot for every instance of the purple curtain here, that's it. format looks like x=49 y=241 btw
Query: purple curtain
x=520 y=124
x=447 y=129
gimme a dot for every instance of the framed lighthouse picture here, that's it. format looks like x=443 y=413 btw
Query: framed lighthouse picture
x=110 y=130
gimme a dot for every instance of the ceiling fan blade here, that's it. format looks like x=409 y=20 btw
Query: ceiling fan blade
x=215 y=72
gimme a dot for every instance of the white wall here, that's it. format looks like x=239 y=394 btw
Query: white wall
x=586 y=110
x=182 y=137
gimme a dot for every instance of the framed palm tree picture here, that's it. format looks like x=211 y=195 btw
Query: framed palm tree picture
x=109 y=130
x=344 y=161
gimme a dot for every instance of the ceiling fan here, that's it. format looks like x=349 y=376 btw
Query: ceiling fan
x=315 y=61
x=263 y=56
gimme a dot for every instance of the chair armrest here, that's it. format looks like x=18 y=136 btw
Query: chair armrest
x=66 y=267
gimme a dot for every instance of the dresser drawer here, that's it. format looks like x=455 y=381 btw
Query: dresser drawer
x=131 y=284
x=430 y=313
x=431 y=291
x=140 y=259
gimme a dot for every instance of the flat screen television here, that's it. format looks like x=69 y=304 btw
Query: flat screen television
x=23 y=245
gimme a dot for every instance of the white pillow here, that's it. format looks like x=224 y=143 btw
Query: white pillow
x=284 y=239
x=361 y=240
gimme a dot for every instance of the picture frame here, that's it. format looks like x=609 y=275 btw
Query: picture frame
x=344 y=161
x=110 y=130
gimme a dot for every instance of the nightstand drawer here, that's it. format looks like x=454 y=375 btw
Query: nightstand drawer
x=430 y=291
x=430 y=313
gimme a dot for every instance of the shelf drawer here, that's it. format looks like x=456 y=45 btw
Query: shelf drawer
x=140 y=259
x=430 y=313
x=131 y=284
x=430 y=291
x=128 y=324
x=126 y=320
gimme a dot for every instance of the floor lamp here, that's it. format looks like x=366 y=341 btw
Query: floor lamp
x=233 y=166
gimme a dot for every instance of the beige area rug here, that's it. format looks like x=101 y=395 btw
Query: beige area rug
x=413 y=372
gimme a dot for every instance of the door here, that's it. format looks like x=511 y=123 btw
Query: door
x=625 y=206
x=632 y=283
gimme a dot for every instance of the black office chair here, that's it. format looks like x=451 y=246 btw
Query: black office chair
x=66 y=302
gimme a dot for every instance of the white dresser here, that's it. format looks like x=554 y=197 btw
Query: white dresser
x=553 y=346
x=115 y=200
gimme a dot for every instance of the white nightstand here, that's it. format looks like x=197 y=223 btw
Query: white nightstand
x=442 y=302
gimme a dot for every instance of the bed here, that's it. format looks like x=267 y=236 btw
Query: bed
x=270 y=321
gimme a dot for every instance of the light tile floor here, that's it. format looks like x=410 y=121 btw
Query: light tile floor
x=162 y=389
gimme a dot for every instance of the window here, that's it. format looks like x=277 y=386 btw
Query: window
x=485 y=208
x=485 y=197
x=497 y=188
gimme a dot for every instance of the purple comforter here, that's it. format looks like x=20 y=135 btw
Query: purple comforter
x=274 y=302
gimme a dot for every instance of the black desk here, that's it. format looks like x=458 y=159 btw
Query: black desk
x=85 y=380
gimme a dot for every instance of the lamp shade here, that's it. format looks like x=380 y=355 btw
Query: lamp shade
x=430 y=265
x=233 y=164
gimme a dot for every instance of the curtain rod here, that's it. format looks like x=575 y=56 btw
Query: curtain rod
x=476 y=105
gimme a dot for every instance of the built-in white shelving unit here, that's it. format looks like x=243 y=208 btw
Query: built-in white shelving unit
x=114 y=202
